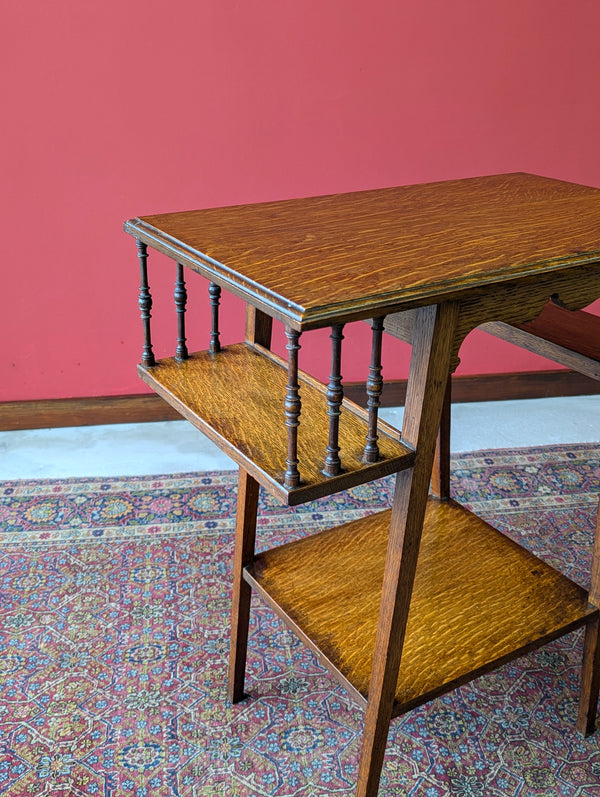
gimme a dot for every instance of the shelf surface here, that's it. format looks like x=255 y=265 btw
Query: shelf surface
x=479 y=600
x=236 y=397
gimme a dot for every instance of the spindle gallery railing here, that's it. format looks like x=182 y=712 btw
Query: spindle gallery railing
x=334 y=395
x=214 y=291
x=292 y=406
x=145 y=304
x=374 y=389
x=180 y=296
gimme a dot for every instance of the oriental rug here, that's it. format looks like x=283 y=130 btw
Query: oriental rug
x=114 y=610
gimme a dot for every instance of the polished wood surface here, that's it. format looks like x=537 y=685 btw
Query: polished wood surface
x=258 y=331
x=180 y=297
x=237 y=398
x=404 y=605
x=473 y=605
x=335 y=395
x=316 y=261
x=214 y=291
x=571 y=338
x=374 y=390
x=513 y=302
x=432 y=347
x=590 y=671
x=145 y=303
x=245 y=537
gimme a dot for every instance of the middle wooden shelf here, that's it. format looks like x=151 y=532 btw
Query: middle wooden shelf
x=236 y=397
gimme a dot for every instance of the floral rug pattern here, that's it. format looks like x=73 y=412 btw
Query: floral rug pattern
x=114 y=610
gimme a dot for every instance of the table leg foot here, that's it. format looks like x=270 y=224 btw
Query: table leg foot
x=373 y=751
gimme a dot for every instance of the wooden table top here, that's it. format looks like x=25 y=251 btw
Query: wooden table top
x=321 y=260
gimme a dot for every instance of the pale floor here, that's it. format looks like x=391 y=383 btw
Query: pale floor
x=177 y=447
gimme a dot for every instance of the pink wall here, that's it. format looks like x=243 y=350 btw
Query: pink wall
x=130 y=107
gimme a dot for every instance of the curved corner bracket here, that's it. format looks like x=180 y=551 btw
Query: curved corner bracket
x=523 y=300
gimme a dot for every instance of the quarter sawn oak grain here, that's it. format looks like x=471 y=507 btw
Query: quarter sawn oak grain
x=394 y=247
x=493 y=602
x=407 y=604
x=237 y=398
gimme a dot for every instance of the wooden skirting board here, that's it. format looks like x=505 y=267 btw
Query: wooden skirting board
x=44 y=414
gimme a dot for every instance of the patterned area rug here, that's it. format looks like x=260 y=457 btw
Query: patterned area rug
x=114 y=604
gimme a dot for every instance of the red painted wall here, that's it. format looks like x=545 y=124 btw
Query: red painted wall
x=130 y=107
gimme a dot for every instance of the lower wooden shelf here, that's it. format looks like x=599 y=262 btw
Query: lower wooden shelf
x=479 y=600
x=236 y=397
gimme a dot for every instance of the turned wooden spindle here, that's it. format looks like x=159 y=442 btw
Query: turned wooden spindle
x=180 y=295
x=292 y=408
x=214 y=291
x=374 y=388
x=145 y=304
x=335 y=394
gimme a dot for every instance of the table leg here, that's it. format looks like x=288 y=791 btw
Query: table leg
x=258 y=330
x=430 y=365
x=440 y=477
x=245 y=534
x=590 y=679
x=590 y=675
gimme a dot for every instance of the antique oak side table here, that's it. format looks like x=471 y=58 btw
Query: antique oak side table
x=406 y=604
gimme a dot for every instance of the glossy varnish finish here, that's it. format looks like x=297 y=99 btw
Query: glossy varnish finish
x=258 y=331
x=180 y=296
x=495 y=602
x=590 y=673
x=145 y=304
x=374 y=388
x=516 y=303
x=237 y=398
x=404 y=605
x=571 y=338
x=312 y=261
x=335 y=395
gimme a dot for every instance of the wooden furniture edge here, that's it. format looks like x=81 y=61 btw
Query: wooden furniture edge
x=141 y=408
x=359 y=545
x=253 y=368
